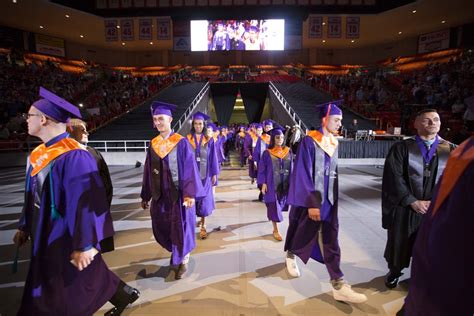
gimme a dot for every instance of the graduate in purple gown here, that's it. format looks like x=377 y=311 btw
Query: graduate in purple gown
x=208 y=166
x=313 y=196
x=250 y=142
x=172 y=182
x=239 y=144
x=263 y=140
x=220 y=145
x=273 y=177
x=442 y=270
x=412 y=168
x=66 y=216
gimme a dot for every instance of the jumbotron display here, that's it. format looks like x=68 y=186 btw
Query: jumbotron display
x=223 y=35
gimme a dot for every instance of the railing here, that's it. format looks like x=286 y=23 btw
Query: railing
x=120 y=145
x=177 y=126
x=287 y=107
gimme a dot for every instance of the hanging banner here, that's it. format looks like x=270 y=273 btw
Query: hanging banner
x=334 y=27
x=126 y=29
x=111 y=31
x=352 y=27
x=181 y=36
x=49 y=45
x=145 y=29
x=315 y=27
x=163 y=28
x=434 y=41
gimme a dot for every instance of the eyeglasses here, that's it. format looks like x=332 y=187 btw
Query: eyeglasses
x=28 y=115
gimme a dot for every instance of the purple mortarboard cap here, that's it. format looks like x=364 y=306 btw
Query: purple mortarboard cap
x=213 y=126
x=278 y=130
x=253 y=28
x=158 y=107
x=200 y=116
x=332 y=107
x=55 y=107
x=268 y=122
x=257 y=125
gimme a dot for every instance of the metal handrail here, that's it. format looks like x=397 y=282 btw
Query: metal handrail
x=177 y=126
x=291 y=112
x=128 y=145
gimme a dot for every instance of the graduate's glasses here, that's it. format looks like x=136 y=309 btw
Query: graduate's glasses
x=28 y=115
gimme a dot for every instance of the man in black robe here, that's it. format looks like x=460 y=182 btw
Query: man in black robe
x=77 y=129
x=412 y=168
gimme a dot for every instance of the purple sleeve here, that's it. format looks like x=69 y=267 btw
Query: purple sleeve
x=82 y=200
x=146 y=184
x=301 y=191
x=256 y=151
x=262 y=168
x=213 y=162
x=189 y=177
x=248 y=145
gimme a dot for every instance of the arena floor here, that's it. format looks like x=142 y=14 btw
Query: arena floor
x=239 y=269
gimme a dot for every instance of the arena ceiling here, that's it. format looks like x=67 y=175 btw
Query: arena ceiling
x=382 y=21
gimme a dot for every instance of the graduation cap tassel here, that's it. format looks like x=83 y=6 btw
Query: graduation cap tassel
x=54 y=212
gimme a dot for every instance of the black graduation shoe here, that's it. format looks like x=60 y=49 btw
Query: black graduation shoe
x=133 y=295
x=182 y=268
x=391 y=279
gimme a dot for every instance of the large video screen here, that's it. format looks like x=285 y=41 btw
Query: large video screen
x=223 y=35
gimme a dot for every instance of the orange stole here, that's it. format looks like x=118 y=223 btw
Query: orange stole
x=163 y=147
x=242 y=134
x=327 y=143
x=41 y=156
x=266 y=138
x=457 y=163
x=279 y=152
x=191 y=140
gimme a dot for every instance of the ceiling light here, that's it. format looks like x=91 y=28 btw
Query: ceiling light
x=82 y=36
x=41 y=27
x=399 y=33
x=151 y=43
x=123 y=43
x=67 y=16
x=324 y=41
x=118 y=26
x=14 y=1
x=324 y=23
x=352 y=41
x=81 y=105
x=443 y=21
x=414 y=11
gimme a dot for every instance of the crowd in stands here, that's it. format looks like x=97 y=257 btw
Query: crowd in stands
x=101 y=93
x=381 y=93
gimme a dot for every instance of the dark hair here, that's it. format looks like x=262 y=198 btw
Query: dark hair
x=425 y=111
x=193 y=131
x=272 y=140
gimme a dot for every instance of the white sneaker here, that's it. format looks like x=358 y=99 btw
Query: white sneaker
x=186 y=258
x=292 y=267
x=346 y=294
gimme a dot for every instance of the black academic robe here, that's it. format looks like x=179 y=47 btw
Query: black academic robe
x=405 y=180
x=107 y=244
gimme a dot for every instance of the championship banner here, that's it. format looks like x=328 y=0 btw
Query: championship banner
x=163 y=28
x=315 y=26
x=145 y=29
x=352 y=27
x=181 y=36
x=49 y=45
x=126 y=29
x=111 y=31
x=334 y=27
x=434 y=41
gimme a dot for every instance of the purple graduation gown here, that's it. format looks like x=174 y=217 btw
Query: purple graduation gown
x=275 y=200
x=172 y=223
x=442 y=271
x=239 y=145
x=53 y=285
x=248 y=148
x=206 y=205
x=303 y=233
x=220 y=148
x=257 y=151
